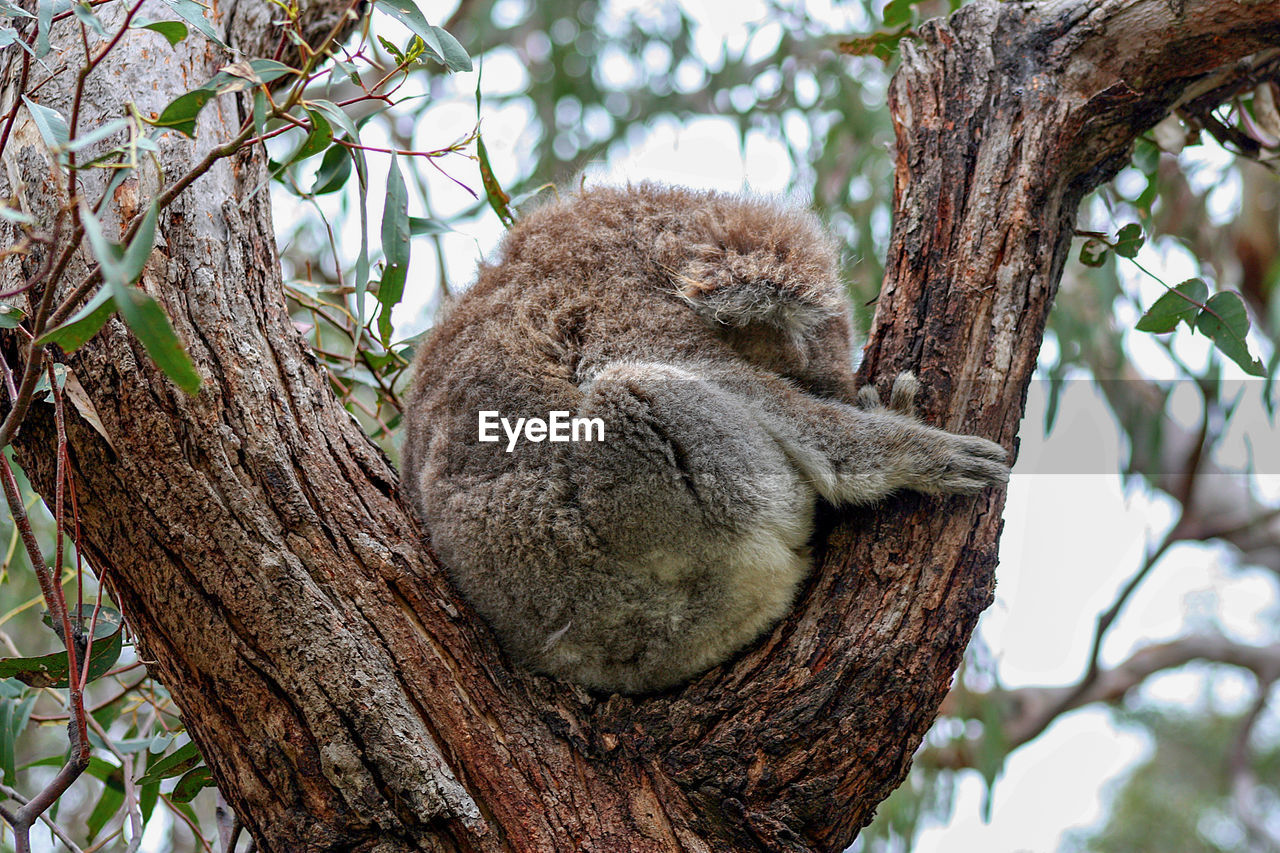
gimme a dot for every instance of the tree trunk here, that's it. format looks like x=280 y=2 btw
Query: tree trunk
x=347 y=700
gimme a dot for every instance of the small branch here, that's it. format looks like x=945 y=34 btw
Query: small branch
x=10 y=818
x=1032 y=709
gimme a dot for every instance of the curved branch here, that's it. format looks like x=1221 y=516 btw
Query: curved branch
x=1030 y=710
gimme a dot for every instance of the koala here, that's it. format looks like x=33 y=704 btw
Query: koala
x=703 y=340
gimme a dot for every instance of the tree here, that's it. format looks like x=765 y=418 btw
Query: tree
x=343 y=696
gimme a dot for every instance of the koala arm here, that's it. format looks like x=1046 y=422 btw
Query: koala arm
x=860 y=454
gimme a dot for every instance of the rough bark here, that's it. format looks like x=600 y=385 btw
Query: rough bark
x=345 y=698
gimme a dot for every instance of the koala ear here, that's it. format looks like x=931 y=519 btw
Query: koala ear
x=759 y=265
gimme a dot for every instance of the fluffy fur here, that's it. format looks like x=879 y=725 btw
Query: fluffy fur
x=710 y=334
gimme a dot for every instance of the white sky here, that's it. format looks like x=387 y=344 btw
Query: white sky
x=1071 y=539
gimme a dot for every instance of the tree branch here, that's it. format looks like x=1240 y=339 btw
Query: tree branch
x=1030 y=710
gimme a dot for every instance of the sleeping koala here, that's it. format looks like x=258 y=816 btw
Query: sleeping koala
x=618 y=436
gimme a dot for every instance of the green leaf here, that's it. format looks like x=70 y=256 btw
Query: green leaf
x=407 y=13
x=135 y=256
x=1178 y=305
x=175 y=763
x=51 y=670
x=318 y=139
x=334 y=170
x=148 y=322
x=148 y=795
x=160 y=741
x=173 y=31
x=181 y=112
x=362 y=258
x=97 y=134
x=11 y=316
x=1129 y=240
x=108 y=804
x=336 y=115
x=59 y=376
x=395 y=248
x=108 y=621
x=77 y=331
x=498 y=199
x=44 y=22
x=1225 y=321
x=898 y=12
x=419 y=226
x=85 y=15
x=1094 y=252
x=455 y=56
x=236 y=76
x=193 y=14
x=15 y=713
x=10 y=10
x=106 y=253
x=444 y=46
x=396 y=53
x=8 y=36
x=142 y=314
x=50 y=123
x=259 y=112
x=192 y=782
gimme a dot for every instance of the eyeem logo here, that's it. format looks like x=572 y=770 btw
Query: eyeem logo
x=557 y=426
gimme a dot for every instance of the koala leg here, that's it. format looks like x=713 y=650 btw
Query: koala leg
x=702 y=527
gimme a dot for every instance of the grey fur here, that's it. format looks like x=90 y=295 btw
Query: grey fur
x=710 y=334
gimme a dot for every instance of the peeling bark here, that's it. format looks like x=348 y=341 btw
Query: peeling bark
x=347 y=700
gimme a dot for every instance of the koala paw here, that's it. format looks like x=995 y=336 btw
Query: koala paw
x=963 y=464
x=902 y=399
x=943 y=463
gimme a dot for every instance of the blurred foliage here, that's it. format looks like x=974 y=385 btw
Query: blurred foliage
x=1180 y=799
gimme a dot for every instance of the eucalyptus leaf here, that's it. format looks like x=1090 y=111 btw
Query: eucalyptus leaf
x=11 y=316
x=180 y=114
x=318 y=138
x=108 y=804
x=50 y=123
x=898 y=12
x=395 y=248
x=86 y=322
x=148 y=322
x=12 y=10
x=1225 y=321
x=44 y=22
x=98 y=134
x=84 y=14
x=1129 y=240
x=51 y=670
x=455 y=56
x=20 y=217
x=15 y=713
x=8 y=36
x=173 y=31
x=334 y=170
x=1181 y=304
x=193 y=13
x=1094 y=252
x=192 y=782
x=337 y=116
x=175 y=763
x=134 y=260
